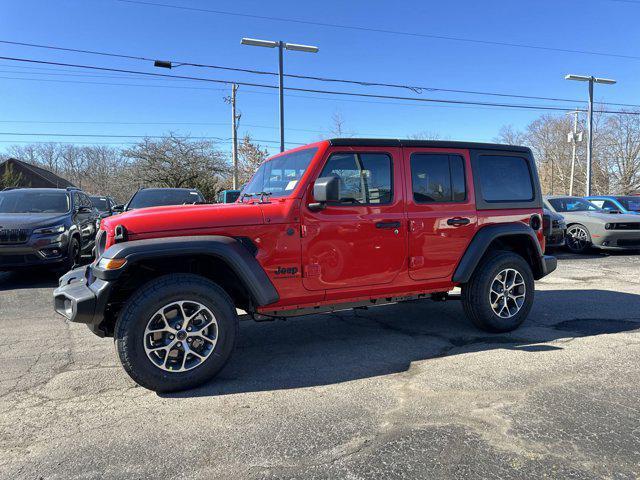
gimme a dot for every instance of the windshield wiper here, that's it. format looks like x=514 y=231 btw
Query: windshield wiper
x=257 y=194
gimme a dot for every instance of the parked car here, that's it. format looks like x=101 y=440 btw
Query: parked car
x=556 y=231
x=617 y=203
x=104 y=205
x=332 y=225
x=45 y=227
x=228 y=196
x=158 y=197
x=589 y=226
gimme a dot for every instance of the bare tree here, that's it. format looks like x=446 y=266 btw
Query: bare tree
x=250 y=156
x=426 y=135
x=621 y=147
x=338 y=126
x=175 y=161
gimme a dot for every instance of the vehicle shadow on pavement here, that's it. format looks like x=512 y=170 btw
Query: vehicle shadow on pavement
x=564 y=255
x=32 y=278
x=333 y=348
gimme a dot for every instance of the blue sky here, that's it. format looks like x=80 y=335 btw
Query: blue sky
x=40 y=93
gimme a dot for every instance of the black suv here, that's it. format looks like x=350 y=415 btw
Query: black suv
x=157 y=197
x=104 y=205
x=45 y=226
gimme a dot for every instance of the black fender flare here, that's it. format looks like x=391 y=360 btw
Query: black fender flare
x=542 y=265
x=226 y=249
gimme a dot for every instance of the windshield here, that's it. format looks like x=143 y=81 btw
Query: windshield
x=100 y=203
x=571 y=204
x=156 y=198
x=630 y=203
x=33 y=201
x=280 y=175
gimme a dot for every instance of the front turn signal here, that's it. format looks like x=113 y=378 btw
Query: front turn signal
x=111 y=263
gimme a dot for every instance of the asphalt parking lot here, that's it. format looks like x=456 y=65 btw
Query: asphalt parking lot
x=400 y=391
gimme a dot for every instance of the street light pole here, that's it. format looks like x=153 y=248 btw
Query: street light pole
x=574 y=138
x=591 y=80
x=281 y=91
x=281 y=46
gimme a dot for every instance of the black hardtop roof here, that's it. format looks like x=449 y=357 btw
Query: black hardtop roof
x=394 y=142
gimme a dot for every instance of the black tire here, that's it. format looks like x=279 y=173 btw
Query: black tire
x=73 y=255
x=578 y=247
x=130 y=328
x=476 y=294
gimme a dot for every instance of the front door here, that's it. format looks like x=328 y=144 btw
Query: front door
x=440 y=208
x=361 y=240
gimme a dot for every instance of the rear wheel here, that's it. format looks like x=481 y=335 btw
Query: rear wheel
x=176 y=332
x=578 y=238
x=499 y=295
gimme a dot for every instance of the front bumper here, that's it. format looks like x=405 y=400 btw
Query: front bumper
x=43 y=250
x=82 y=298
x=618 y=239
x=556 y=239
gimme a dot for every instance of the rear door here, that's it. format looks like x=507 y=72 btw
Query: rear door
x=440 y=208
x=362 y=240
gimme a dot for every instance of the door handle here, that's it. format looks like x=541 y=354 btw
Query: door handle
x=458 y=221
x=388 y=225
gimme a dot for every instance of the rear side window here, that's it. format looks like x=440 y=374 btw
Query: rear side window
x=365 y=178
x=437 y=178
x=505 y=178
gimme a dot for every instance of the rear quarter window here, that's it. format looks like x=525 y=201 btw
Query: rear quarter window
x=505 y=178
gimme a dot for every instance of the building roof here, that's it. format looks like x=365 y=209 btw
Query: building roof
x=44 y=174
x=394 y=142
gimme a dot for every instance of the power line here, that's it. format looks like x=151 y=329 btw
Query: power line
x=307 y=90
x=380 y=30
x=83 y=122
x=109 y=135
x=311 y=90
x=413 y=88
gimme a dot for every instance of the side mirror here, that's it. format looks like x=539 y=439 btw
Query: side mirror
x=118 y=208
x=325 y=190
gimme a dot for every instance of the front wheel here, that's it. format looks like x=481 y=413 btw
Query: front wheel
x=499 y=295
x=176 y=332
x=578 y=239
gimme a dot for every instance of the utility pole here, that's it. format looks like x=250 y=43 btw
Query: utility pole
x=591 y=80
x=573 y=137
x=235 y=123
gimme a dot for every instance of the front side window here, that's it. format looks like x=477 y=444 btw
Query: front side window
x=572 y=204
x=33 y=201
x=365 y=178
x=437 y=178
x=280 y=175
x=504 y=178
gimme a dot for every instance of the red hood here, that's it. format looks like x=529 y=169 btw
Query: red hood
x=186 y=217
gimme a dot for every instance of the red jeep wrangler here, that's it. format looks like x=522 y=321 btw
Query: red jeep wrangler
x=333 y=225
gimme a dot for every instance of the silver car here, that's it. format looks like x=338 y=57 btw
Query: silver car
x=589 y=226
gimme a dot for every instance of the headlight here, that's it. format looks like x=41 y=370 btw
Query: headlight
x=608 y=226
x=50 y=230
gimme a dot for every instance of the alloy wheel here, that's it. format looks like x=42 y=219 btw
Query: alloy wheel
x=180 y=336
x=577 y=238
x=507 y=293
